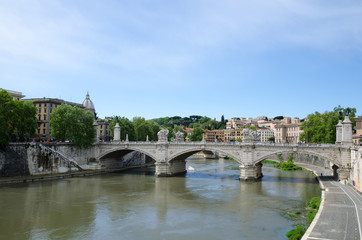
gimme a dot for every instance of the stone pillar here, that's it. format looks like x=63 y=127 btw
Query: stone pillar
x=347 y=132
x=117 y=133
x=95 y=124
x=251 y=172
x=167 y=169
x=339 y=132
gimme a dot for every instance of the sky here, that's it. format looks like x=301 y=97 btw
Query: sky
x=236 y=58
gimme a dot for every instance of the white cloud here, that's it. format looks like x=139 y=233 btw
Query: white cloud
x=168 y=35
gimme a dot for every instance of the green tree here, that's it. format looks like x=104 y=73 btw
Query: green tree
x=155 y=129
x=6 y=119
x=196 y=134
x=17 y=119
x=73 y=123
x=142 y=128
x=127 y=127
x=321 y=127
x=25 y=120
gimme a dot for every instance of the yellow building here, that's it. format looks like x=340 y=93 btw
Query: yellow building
x=45 y=107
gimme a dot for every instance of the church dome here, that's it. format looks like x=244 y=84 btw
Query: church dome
x=88 y=104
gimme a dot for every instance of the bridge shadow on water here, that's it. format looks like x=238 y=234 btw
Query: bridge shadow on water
x=294 y=179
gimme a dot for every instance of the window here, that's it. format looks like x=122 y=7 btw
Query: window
x=45 y=117
x=43 y=131
x=51 y=105
x=51 y=110
x=45 y=110
x=45 y=105
x=39 y=110
x=39 y=105
x=44 y=125
x=38 y=131
x=39 y=116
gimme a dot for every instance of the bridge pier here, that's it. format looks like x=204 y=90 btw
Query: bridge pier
x=168 y=169
x=251 y=172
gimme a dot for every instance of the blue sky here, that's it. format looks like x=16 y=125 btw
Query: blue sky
x=165 y=58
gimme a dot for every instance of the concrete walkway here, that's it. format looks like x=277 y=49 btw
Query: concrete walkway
x=339 y=216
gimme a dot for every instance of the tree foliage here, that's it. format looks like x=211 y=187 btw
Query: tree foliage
x=127 y=127
x=196 y=134
x=74 y=124
x=17 y=119
x=321 y=127
x=138 y=129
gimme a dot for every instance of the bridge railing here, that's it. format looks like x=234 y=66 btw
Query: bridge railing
x=319 y=145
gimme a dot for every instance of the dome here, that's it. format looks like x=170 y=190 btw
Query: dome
x=88 y=104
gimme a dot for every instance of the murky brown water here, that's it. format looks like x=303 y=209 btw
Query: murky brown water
x=208 y=203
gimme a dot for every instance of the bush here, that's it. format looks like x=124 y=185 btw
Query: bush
x=288 y=166
x=296 y=233
x=313 y=206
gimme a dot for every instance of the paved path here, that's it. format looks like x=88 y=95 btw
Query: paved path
x=339 y=217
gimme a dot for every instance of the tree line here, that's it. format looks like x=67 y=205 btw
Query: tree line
x=18 y=123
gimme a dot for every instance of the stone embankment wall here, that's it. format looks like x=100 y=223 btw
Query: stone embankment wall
x=13 y=161
x=36 y=159
x=355 y=177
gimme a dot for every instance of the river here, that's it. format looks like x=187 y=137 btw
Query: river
x=209 y=202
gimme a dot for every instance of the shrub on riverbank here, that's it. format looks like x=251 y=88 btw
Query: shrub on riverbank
x=313 y=206
x=299 y=230
x=296 y=233
x=289 y=165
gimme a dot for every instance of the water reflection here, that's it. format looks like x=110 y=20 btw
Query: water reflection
x=207 y=203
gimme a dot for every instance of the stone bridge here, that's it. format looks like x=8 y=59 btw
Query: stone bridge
x=170 y=156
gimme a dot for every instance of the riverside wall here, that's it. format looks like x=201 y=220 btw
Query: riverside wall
x=29 y=159
x=355 y=177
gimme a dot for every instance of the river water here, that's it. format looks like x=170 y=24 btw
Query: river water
x=209 y=202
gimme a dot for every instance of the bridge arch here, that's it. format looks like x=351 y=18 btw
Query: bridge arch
x=123 y=150
x=182 y=155
x=299 y=151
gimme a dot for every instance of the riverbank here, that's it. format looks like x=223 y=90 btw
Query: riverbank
x=339 y=214
x=47 y=177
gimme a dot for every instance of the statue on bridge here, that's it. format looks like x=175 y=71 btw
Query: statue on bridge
x=340 y=115
x=250 y=135
x=162 y=135
x=180 y=137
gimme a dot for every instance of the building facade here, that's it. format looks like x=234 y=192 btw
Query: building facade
x=288 y=132
x=357 y=136
x=14 y=94
x=45 y=107
x=265 y=134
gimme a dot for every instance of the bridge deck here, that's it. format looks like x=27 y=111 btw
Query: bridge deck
x=340 y=215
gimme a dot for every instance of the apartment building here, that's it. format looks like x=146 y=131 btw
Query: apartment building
x=288 y=132
x=45 y=107
x=265 y=134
